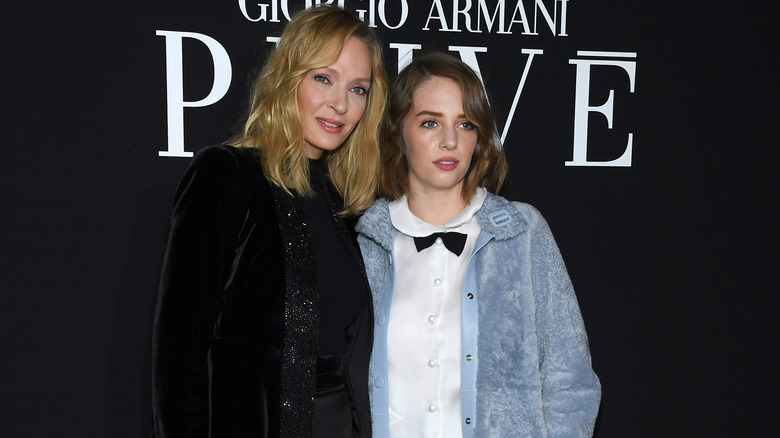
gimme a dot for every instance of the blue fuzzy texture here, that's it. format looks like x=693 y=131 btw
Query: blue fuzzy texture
x=534 y=375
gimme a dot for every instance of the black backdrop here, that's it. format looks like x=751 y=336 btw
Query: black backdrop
x=673 y=257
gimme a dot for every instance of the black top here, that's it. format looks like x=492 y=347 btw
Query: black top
x=340 y=284
x=343 y=295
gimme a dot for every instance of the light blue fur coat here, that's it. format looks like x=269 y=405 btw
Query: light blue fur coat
x=531 y=375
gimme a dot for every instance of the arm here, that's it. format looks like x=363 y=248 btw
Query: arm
x=197 y=261
x=571 y=391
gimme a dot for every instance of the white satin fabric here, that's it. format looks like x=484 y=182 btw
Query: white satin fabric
x=424 y=332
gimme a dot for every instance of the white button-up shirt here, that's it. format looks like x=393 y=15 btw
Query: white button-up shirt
x=424 y=332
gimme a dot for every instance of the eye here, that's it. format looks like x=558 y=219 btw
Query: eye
x=428 y=124
x=321 y=78
x=467 y=126
x=359 y=90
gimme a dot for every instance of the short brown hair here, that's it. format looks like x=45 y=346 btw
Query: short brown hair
x=488 y=164
x=314 y=38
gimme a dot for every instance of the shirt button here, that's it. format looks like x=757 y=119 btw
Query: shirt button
x=439 y=242
x=470 y=295
x=431 y=319
x=431 y=408
x=469 y=357
x=468 y=420
x=432 y=363
x=437 y=282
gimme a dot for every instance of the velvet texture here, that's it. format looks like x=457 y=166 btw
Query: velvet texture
x=220 y=323
x=534 y=377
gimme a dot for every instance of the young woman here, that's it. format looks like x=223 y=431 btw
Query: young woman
x=477 y=329
x=264 y=321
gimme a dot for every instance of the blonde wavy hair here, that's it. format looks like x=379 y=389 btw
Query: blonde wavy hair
x=314 y=38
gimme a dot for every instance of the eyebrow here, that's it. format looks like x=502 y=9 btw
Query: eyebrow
x=333 y=72
x=435 y=114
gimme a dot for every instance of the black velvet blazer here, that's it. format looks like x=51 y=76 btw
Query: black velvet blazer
x=238 y=271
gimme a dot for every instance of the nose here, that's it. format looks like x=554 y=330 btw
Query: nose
x=449 y=140
x=338 y=101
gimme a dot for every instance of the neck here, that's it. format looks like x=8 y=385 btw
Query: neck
x=436 y=207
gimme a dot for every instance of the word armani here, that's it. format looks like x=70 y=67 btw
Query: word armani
x=478 y=16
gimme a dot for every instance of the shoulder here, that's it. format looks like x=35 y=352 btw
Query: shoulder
x=501 y=218
x=528 y=212
x=221 y=172
x=226 y=166
x=506 y=219
x=537 y=229
x=374 y=216
x=227 y=160
x=375 y=224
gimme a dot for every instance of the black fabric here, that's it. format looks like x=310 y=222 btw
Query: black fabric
x=344 y=303
x=455 y=242
x=340 y=383
x=218 y=331
x=340 y=283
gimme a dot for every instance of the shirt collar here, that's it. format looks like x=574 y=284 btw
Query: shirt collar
x=407 y=223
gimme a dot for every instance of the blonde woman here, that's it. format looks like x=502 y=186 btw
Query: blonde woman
x=264 y=320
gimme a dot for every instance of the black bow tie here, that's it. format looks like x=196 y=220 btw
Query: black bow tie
x=455 y=242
